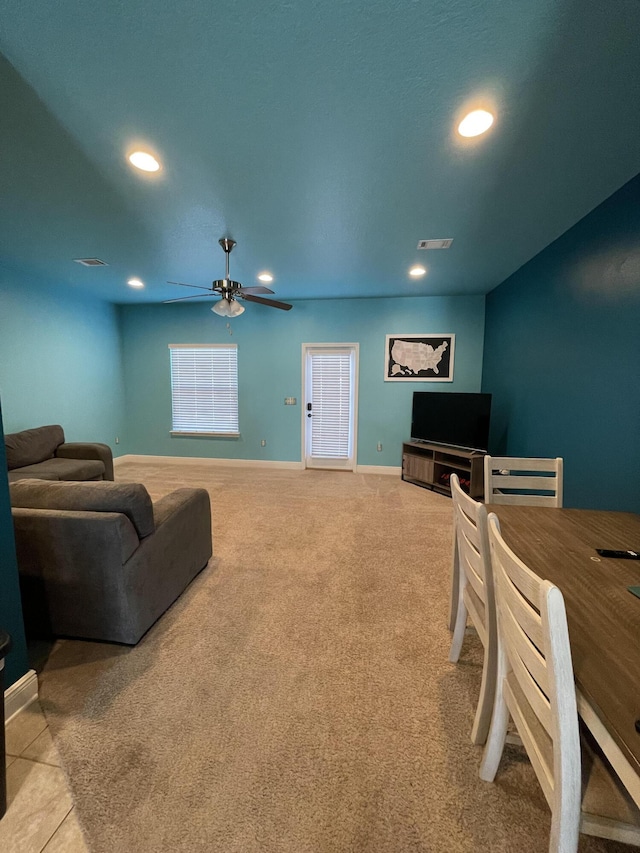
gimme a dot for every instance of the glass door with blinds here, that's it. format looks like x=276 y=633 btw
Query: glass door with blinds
x=330 y=405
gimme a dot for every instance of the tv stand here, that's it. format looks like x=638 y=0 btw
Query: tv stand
x=431 y=465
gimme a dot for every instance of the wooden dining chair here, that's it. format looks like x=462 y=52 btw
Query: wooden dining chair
x=535 y=686
x=475 y=598
x=522 y=481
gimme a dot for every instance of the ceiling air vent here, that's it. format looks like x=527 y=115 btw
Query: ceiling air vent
x=91 y=262
x=435 y=244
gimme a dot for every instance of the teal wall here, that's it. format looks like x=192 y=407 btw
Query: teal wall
x=270 y=369
x=60 y=360
x=562 y=356
x=10 y=605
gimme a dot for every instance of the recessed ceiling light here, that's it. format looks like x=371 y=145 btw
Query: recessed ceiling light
x=475 y=123
x=135 y=282
x=145 y=161
x=416 y=272
x=265 y=276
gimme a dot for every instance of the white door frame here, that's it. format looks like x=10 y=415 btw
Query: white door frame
x=356 y=381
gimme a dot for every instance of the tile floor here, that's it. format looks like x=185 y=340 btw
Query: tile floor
x=40 y=816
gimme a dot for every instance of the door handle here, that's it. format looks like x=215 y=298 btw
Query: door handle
x=308 y=407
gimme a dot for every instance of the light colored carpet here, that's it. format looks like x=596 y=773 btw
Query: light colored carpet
x=298 y=697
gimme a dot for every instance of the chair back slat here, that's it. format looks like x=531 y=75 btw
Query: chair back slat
x=535 y=738
x=526 y=616
x=467 y=529
x=474 y=573
x=521 y=464
x=514 y=499
x=526 y=481
x=536 y=676
x=470 y=546
x=521 y=580
x=477 y=611
x=476 y=583
x=527 y=651
x=529 y=481
x=537 y=701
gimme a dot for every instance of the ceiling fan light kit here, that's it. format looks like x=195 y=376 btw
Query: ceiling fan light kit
x=230 y=290
x=228 y=308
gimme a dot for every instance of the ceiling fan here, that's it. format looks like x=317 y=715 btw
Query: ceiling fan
x=230 y=290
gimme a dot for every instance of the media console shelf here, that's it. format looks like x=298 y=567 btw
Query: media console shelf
x=431 y=465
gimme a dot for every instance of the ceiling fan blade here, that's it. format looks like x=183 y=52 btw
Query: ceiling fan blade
x=182 y=298
x=271 y=302
x=182 y=284
x=257 y=289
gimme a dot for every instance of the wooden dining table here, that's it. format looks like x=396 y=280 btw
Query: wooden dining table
x=560 y=545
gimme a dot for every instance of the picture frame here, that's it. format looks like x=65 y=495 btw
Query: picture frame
x=419 y=358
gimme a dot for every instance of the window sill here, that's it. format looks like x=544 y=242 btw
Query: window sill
x=205 y=434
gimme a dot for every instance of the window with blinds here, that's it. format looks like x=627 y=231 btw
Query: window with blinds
x=331 y=393
x=204 y=389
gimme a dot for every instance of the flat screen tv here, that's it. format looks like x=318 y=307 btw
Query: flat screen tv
x=456 y=419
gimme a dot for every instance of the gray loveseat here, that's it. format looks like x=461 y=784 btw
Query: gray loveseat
x=43 y=453
x=99 y=560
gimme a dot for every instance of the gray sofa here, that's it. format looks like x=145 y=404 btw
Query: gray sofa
x=43 y=453
x=99 y=560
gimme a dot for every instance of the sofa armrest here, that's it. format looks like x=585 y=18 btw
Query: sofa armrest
x=75 y=539
x=180 y=500
x=71 y=570
x=167 y=561
x=88 y=450
x=182 y=536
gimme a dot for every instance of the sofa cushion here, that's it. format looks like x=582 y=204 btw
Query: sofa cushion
x=16 y=475
x=131 y=499
x=32 y=445
x=65 y=469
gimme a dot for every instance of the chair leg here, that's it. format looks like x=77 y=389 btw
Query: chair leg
x=566 y=809
x=565 y=831
x=458 y=630
x=497 y=736
x=482 y=720
x=455 y=583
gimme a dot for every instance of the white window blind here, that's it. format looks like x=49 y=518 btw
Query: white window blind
x=331 y=395
x=204 y=388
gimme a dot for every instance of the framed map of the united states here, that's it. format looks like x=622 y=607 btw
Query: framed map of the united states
x=419 y=358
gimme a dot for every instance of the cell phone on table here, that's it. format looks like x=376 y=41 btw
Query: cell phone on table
x=619 y=555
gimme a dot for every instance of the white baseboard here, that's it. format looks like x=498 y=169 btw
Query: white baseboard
x=20 y=694
x=244 y=463
x=394 y=470
x=208 y=460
